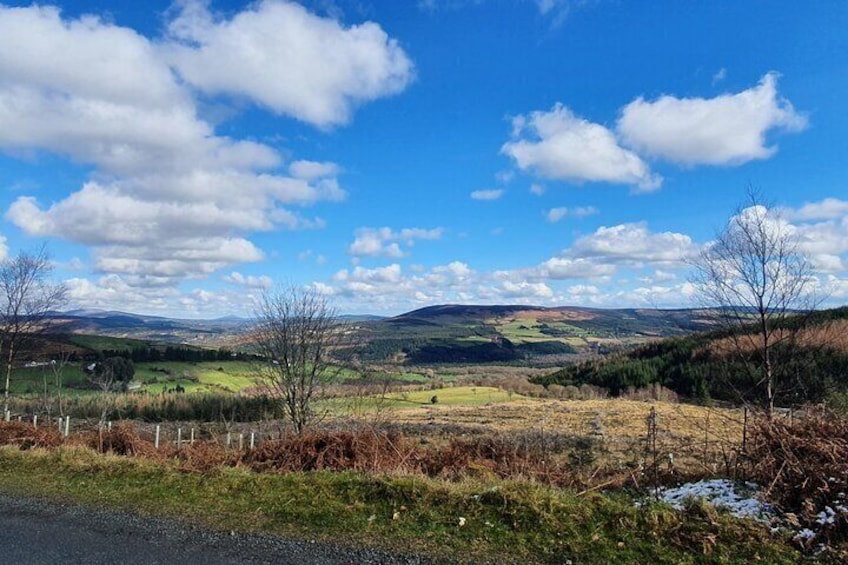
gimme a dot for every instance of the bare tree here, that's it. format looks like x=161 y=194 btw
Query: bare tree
x=299 y=338
x=108 y=375
x=27 y=297
x=755 y=274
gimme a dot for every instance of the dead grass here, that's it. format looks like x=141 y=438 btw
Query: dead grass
x=699 y=439
x=803 y=464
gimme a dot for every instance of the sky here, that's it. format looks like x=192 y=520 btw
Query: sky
x=181 y=158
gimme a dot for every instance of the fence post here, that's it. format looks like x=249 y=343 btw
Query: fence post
x=109 y=425
x=179 y=438
x=67 y=426
x=8 y=416
x=252 y=440
x=652 y=447
x=35 y=421
x=229 y=439
x=156 y=441
x=192 y=436
x=241 y=442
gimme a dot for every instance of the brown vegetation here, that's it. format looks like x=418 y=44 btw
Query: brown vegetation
x=803 y=464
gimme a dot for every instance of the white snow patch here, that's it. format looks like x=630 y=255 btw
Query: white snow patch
x=738 y=499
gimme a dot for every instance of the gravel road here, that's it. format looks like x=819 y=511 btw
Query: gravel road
x=34 y=531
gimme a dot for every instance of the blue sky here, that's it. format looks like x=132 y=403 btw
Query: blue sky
x=181 y=158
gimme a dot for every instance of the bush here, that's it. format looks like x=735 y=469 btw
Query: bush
x=803 y=463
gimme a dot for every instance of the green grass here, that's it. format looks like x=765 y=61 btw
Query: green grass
x=503 y=521
x=30 y=380
x=208 y=376
x=449 y=396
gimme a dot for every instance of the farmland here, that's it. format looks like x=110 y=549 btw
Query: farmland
x=425 y=436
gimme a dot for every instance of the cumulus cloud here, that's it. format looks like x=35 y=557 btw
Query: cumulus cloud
x=287 y=59
x=562 y=146
x=827 y=209
x=493 y=194
x=260 y=282
x=726 y=130
x=634 y=243
x=389 y=288
x=163 y=180
x=570 y=268
x=386 y=242
x=556 y=214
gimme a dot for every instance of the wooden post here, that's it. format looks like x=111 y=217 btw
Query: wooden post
x=179 y=438
x=35 y=421
x=252 y=440
x=241 y=442
x=745 y=430
x=652 y=448
x=67 y=426
x=156 y=441
x=229 y=439
x=192 y=436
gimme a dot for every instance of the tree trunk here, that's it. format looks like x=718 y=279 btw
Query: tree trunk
x=8 y=378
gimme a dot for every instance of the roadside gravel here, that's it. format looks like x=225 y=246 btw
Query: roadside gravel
x=34 y=531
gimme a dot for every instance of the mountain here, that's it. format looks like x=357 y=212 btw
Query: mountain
x=455 y=333
x=158 y=329
x=809 y=363
x=450 y=333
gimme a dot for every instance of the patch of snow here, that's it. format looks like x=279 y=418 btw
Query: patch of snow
x=806 y=533
x=721 y=493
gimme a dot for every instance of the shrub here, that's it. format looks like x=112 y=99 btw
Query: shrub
x=803 y=462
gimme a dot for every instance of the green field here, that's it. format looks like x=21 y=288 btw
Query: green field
x=449 y=396
x=209 y=376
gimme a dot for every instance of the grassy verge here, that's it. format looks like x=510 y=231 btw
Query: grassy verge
x=501 y=521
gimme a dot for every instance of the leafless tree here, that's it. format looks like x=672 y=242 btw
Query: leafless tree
x=56 y=369
x=301 y=342
x=757 y=277
x=28 y=296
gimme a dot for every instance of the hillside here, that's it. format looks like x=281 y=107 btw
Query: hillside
x=810 y=367
x=506 y=333
x=221 y=332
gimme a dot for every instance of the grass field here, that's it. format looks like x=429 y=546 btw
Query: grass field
x=211 y=376
x=491 y=521
x=696 y=438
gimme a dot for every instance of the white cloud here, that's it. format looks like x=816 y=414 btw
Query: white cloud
x=561 y=146
x=719 y=75
x=385 y=242
x=634 y=243
x=107 y=97
x=726 y=130
x=313 y=170
x=827 y=209
x=493 y=194
x=287 y=59
x=556 y=214
x=568 y=268
x=537 y=189
x=260 y=282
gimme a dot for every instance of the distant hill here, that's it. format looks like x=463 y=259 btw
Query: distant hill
x=811 y=367
x=213 y=333
x=455 y=333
